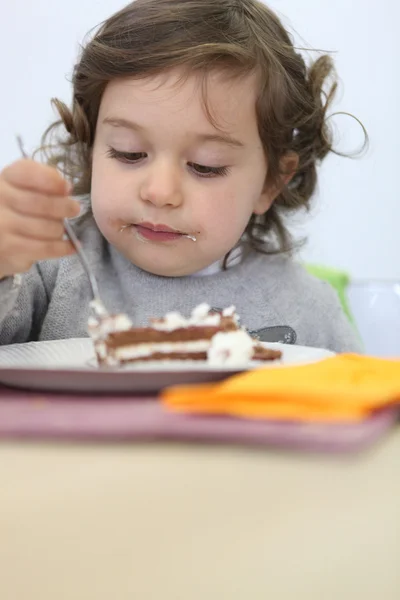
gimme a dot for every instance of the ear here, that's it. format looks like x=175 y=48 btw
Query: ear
x=288 y=167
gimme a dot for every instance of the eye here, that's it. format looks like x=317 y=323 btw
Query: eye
x=204 y=171
x=126 y=157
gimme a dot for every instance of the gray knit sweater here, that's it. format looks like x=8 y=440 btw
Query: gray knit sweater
x=274 y=296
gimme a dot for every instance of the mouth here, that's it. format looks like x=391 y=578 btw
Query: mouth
x=160 y=233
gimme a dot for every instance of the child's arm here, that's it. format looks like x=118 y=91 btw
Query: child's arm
x=24 y=301
x=33 y=204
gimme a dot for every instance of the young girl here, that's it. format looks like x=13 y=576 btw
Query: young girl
x=195 y=128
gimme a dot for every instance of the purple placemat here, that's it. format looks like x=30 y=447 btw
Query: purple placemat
x=30 y=415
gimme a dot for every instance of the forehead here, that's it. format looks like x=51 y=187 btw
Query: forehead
x=213 y=101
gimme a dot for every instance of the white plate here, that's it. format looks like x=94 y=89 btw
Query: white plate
x=69 y=366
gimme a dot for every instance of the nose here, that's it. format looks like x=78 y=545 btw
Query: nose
x=162 y=185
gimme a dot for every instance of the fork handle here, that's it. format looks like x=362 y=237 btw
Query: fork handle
x=77 y=245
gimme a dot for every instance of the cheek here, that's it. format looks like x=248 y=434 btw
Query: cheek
x=104 y=189
x=102 y=206
x=225 y=214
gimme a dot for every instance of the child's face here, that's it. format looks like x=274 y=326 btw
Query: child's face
x=160 y=166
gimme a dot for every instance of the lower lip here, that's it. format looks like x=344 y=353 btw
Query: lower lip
x=157 y=236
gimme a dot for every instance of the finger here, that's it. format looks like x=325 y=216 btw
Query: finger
x=34 y=204
x=16 y=262
x=32 y=175
x=25 y=251
x=51 y=249
x=33 y=228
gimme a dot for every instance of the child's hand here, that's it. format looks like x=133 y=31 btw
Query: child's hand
x=33 y=203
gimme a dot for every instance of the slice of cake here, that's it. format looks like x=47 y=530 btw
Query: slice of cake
x=206 y=335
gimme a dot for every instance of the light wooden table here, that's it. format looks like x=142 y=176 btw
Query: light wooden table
x=171 y=522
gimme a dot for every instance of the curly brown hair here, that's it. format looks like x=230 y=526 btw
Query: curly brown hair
x=199 y=36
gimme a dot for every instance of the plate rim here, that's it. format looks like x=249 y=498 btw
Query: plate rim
x=86 y=379
x=161 y=369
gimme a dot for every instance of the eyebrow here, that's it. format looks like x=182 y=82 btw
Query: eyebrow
x=203 y=137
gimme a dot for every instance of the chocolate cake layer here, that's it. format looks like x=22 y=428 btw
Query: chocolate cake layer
x=262 y=353
x=148 y=335
x=172 y=356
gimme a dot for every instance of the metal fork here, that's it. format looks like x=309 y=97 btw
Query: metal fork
x=97 y=306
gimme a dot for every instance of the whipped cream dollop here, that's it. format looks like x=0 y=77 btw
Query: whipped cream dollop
x=231 y=349
x=101 y=324
x=200 y=317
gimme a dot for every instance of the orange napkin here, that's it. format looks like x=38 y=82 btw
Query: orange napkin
x=346 y=387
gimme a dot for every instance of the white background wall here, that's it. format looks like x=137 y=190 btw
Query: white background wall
x=356 y=219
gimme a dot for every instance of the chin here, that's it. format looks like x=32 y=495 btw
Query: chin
x=165 y=270
x=169 y=271
x=164 y=265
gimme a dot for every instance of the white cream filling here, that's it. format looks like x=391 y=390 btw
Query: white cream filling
x=144 y=350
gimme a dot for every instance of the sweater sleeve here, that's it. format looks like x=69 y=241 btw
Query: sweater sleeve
x=329 y=326
x=24 y=300
x=309 y=305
